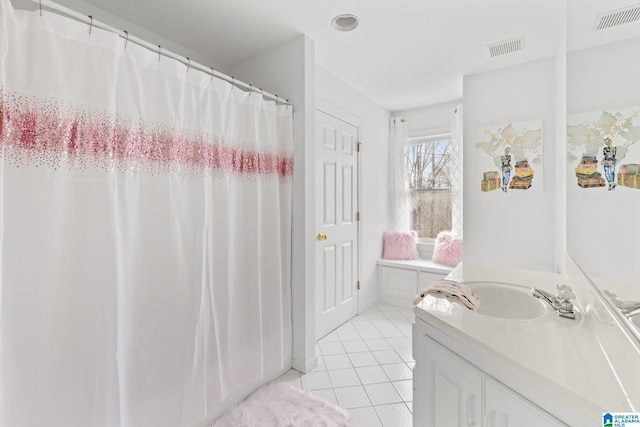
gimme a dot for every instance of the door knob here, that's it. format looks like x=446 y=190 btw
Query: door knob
x=321 y=236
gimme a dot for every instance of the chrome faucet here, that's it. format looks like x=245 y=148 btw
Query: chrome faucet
x=561 y=302
x=627 y=308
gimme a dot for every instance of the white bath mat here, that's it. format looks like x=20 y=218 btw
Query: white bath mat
x=279 y=404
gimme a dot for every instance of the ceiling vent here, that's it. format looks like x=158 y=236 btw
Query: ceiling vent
x=617 y=17
x=506 y=46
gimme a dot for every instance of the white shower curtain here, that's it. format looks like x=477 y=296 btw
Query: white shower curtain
x=145 y=231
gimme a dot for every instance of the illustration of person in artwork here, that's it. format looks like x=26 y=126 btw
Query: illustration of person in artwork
x=506 y=168
x=609 y=163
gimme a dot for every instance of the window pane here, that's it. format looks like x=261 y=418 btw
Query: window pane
x=429 y=165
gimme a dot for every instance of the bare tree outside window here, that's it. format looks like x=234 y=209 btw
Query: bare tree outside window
x=429 y=164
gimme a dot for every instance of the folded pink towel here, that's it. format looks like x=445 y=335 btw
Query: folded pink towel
x=454 y=290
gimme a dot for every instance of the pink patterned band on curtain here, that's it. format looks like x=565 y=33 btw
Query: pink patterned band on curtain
x=49 y=137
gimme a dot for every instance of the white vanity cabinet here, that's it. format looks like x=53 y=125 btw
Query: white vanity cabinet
x=506 y=408
x=449 y=391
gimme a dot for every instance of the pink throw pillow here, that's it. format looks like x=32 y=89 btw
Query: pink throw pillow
x=399 y=245
x=448 y=249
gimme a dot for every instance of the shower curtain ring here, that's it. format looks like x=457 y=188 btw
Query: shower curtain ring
x=126 y=40
x=188 y=64
x=212 y=71
x=40 y=7
x=90 y=23
x=159 y=51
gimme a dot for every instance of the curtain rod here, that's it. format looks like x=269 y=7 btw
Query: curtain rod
x=91 y=23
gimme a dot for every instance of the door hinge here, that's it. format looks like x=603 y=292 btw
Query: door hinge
x=358 y=284
x=357 y=216
x=359 y=146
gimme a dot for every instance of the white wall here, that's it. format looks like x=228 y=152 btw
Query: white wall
x=289 y=71
x=374 y=161
x=516 y=229
x=602 y=226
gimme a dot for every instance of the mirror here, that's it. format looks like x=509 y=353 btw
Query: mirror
x=603 y=149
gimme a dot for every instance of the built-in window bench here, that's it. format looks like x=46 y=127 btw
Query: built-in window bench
x=400 y=281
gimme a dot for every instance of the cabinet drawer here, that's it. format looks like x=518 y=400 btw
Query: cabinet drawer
x=399 y=282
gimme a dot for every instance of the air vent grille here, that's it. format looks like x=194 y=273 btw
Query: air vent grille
x=506 y=46
x=617 y=17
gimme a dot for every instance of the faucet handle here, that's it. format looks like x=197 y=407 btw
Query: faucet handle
x=564 y=292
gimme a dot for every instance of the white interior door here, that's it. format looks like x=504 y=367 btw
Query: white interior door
x=336 y=224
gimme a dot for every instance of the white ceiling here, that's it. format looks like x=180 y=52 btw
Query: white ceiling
x=404 y=54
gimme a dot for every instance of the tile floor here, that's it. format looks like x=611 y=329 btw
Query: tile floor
x=366 y=367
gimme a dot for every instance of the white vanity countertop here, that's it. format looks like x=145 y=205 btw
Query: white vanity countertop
x=561 y=359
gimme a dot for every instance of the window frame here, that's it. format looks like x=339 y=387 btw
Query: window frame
x=427 y=243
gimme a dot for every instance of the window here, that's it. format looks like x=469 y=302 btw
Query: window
x=429 y=161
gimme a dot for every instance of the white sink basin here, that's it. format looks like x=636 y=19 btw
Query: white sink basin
x=507 y=301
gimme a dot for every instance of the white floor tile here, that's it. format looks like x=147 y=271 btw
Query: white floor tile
x=365 y=366
x=405 y=353
x=372 y=374
x=344 y=377
x=331 y=337
x=315 y=381
x=394 y=315
x=386 y=357
x=328 y=348
x=406 y=330
x=364 y=417
x=348 y=335
x=374 y=314
x=383 y=323
x=320 y=366
x=382 y=393
x=363 y=325
x=346 y=327
x=407 y=312
x=378 y=344
x=397 y=415
x=355 y=346
x=370 y=334
x=293 y=379
x=398 y=371
x=386 y=307
x=391 y=332
x=363 y=359
x=399 y=342
x=405 y=389
x=352 y=397
x=337 y=361
x=327 y=394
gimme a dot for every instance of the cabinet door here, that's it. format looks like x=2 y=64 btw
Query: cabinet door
x=452 y=394
x=506 y=408
x=399 y=282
